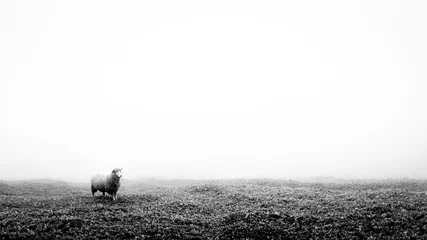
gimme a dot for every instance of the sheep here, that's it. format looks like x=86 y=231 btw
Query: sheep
x=107 y=182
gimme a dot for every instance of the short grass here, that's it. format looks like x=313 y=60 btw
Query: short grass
x=228 y=209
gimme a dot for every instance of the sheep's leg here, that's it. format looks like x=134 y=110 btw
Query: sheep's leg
x=93 y=192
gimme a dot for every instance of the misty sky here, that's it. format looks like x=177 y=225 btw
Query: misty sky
x=213 y=89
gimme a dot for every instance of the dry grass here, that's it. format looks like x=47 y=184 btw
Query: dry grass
x=243 y=209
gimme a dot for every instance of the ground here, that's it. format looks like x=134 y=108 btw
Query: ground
x=220 y=209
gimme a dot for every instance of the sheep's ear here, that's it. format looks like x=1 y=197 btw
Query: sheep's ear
x=121 y=169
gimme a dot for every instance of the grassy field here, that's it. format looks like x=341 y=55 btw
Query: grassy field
x=228 y=209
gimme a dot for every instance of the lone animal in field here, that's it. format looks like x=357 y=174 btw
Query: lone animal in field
x=107 y=182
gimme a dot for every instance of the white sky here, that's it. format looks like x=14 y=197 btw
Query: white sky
x=213 y=89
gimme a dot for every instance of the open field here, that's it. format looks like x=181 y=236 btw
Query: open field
x=223 y=209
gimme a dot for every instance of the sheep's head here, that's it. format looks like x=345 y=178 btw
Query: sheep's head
x=117 y=172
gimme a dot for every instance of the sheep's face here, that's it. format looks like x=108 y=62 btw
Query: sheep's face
x=118 y=172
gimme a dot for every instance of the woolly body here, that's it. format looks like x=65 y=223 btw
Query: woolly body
x=106 y=182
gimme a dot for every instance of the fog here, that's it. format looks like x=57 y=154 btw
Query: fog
x=213 y=89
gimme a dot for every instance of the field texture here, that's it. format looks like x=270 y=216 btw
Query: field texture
x=232 y=209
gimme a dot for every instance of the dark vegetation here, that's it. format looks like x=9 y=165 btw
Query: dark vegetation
x=229 y=209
